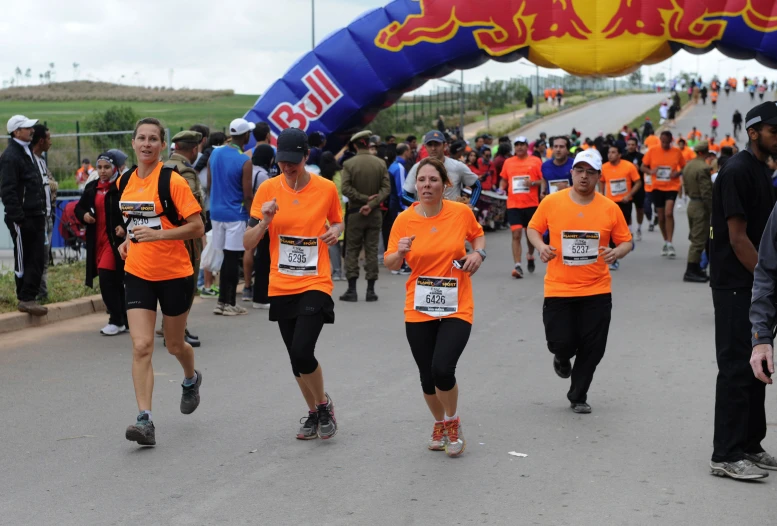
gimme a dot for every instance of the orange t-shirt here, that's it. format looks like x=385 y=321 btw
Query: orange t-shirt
x=651 y=141
x=667 y=161
x=577 y=232
x=438 y=241
x=158 y=260
x=688 y=154
x=694 y=136
x=714 y=147
x=618 y=180
x=728 y=142
x=299 y=260
x=714 y=96
x=519 y=174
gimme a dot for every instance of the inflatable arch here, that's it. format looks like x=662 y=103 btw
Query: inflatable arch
x=365 y=67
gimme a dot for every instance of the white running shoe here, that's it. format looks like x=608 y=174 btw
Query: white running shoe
x=112 y=330
x=665 y=250
x=639 y=235
x=263 y=306
x=233 y=310
x=670 y=252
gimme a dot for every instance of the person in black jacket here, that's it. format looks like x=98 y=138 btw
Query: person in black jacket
x=24 y=199
x=98 y=209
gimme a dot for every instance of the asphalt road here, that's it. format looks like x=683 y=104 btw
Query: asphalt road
x=640 y=458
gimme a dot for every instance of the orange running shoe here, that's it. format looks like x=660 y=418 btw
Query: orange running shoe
x=439 y=440
x=456 y=443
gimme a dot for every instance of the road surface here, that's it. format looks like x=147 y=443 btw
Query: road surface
x=640 y=458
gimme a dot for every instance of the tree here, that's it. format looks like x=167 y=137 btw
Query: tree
x=18 y=75
x=40 y=76
x=51 y=71
x=658 y=78
x=28 y=75
x=635 y=79
x=75 y=70
x=115 y=118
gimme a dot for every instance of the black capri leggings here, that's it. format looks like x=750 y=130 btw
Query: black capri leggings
x=437 y=346
x=300 y=335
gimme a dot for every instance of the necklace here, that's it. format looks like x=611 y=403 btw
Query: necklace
x=424 y=210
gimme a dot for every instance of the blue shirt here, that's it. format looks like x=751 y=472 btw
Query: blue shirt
x=226 y=185
x=553 y=172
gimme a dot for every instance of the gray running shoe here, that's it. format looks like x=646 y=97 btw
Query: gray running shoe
x=233 y=310
x=309 y=429
x=439 y=439
x=763 y=460
x=741 y=470
x=327 y=425
x=190 y=398
x=219 y=309
x=248 y=294
x=580 y=408
x=456 y=443
x=142 y=431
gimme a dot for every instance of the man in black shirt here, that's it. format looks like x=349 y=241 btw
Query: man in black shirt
x=633 y=156
x=742 y=200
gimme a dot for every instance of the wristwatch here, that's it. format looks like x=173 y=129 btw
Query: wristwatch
x=482 y=253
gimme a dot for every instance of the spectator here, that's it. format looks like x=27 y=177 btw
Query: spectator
x=83 y=173
x=41 y=143
x=24 y=199
x=263 y=160
x=330 y=170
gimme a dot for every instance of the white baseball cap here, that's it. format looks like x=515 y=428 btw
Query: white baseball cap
x=521 y=139
x=20 y=121
x=240 y=126
x=588 y=156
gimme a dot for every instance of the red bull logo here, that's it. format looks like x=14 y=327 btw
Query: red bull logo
x=322 y=94
x=500 y=28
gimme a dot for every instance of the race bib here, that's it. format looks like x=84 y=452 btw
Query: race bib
x=648 y=179
x=579 y=247
x=298 y=256
x=140 y=213
x=618 y=186
x=521 y=184
x=664 y=173
x=436 y=297
x=558 y=184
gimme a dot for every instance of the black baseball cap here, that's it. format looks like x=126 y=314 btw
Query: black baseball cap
x=765 y=113
x=292 y=146
x=434 y=136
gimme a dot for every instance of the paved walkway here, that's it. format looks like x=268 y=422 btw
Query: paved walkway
x=639 y=459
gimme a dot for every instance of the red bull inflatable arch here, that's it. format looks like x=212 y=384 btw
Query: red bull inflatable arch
x=365 y=67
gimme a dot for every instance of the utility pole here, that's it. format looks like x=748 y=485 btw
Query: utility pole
x=312 y=24
x=537 y=98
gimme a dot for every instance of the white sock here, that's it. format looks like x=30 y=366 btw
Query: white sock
x=148 y=413
x=449 y=418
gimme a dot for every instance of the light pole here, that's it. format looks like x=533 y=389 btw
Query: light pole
x=460 y=85
x=537 y=98
x=312 y=24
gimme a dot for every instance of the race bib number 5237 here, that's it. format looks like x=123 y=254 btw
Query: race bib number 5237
x=579 y=247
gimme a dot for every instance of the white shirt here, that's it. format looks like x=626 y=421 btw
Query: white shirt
x=458 y=172
x=26 y=147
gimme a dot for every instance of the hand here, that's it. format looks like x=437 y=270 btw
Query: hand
x=331 y=235
x=543 y=195
x=654 y=171
x=373 y=196
x=365 y=210
x=144 y=234
x=677 y=174
x=120 y=231
x=123 y=249
x=608 y=255
x=269 y=209
x=626 y=198
x=89 y=219
x=404 y=245
x=472 y=262
x=547 y=253
x=762 y=352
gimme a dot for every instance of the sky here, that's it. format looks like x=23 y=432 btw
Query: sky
x=205 y=44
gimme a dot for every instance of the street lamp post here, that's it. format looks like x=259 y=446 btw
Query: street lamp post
x=312 y=24
x=537 y=98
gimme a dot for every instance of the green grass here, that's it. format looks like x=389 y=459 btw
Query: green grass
x=61 y=117
x=65 y=282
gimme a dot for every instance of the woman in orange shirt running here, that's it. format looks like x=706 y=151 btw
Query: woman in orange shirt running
x=439 y=307
x=158 y=272
x=301 y=213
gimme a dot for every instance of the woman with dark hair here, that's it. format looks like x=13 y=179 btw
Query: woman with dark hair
x=472 y=163
x=330 y=170
x=262 y=159
x=98 y=209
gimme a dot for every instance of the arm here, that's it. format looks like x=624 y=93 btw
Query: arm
x=383 y=193
x=9 y=184
x=763 y=313
x=355 y=198
x=743 y=247
x=248 y=184
x=209 y=176
x=255 y=232
x=194 y=228
x=477 y=188
x=634 y=189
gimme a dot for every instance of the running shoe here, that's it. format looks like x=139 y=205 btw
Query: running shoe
x=248 y=294
x=439 y=439
x=670 y=253
x=580 y=408
x=112 y=330
x=142 y=431
x=530 y=265
x=233 y=310
x=159 y=332
x=309 y=429
x=740 y=470
x=651 y=227
x=327 y=425
x=190 y=397
x=763 y=460
x=264 y=306
x=405 y=271
x=208 y=293
x=563 y=368
x=615 y=265
x=395 y=272
x=517 y=272
x=456 y=443
x=665 y=250
x=639 y=235
x=219 y=310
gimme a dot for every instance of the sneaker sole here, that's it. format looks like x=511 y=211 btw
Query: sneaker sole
x=581 y=411
x=438 y=448
x=720 y=472
x=133 y=435
x=227 y=313
x=303 y=437
x=516 y=275
x=322 y=437
x=454 y=455
x=762 y=466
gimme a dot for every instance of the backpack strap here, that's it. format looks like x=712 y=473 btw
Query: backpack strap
x=166 y=198
x=124 y=180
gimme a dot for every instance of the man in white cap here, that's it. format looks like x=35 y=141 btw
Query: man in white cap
x=230 y=178
x=578 y=301
x=24 y=199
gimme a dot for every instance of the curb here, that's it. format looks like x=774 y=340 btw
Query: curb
x=14 y=321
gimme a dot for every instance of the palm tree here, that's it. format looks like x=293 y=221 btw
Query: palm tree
x=40 y=76
x=28 y=75
x=51 y=73
x=75 y=70
x=18 y=75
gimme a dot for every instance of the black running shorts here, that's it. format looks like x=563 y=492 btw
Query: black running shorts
x=173 y=295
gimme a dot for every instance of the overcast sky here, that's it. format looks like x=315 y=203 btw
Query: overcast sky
x=243 y=46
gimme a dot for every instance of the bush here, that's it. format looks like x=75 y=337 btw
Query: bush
x=115 y=118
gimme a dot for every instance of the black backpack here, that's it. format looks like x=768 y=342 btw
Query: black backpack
x=168 y=206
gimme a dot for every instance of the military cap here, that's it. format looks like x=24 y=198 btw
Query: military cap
x=361 y=135
x=187 y=136
x=701 y=146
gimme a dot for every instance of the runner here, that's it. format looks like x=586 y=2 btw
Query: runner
x=557 y=172
x=301 y=213
x=619 y=182
x=641 y=202
x=157 y=271
x=578 y=301
x=439 y=306
x=523 y=174
x=664 y=164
